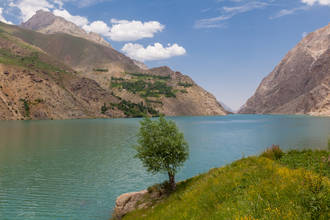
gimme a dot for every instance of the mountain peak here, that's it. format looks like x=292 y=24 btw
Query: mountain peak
x=48 y=23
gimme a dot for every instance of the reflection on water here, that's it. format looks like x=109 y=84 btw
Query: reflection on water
x=75 y=169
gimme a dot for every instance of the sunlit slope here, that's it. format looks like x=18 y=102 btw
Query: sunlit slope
x=252 y=188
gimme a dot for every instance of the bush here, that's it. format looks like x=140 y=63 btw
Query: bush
x=104 y=108
x=273 y=153
x=100 y=70
x=26 y=107
x=161 y=188
x=135 y=110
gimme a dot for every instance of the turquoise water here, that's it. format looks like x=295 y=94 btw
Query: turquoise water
x=75 y=169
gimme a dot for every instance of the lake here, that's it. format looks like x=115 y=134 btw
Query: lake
x=75 y=169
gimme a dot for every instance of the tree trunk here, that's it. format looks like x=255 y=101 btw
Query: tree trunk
x=172 y=181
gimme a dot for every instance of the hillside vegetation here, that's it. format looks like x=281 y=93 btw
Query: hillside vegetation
x=78 y=78
x=295 y=186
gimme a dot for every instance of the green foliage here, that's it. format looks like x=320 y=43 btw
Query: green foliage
x=251 y=188
x=104 y=108
x=116 y=78
x=32 y=61
x=135 y=110
x=39 y=100
x=101 y=70
x=273 y=153
x=316 y=199
x=145 y=89
x=162 y=147
x=317 y=161
x=149 y=76
x=26 y=107
x=154 y=101
x=186 y=85
x=183 y=91
x=163 y=188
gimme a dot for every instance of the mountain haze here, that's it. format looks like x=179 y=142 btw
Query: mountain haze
x=300 y=84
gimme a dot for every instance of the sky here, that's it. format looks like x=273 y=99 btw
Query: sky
x=226 y=46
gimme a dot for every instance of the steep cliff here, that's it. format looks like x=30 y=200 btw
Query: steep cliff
x=300 y=84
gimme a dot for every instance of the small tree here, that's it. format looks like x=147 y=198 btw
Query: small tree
x=162 y=147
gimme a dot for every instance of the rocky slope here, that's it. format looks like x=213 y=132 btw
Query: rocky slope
x=34 y=85
x=300 y=84
x=61 y=76
x=47 y=23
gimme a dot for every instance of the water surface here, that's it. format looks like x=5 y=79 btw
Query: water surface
x=75 y=169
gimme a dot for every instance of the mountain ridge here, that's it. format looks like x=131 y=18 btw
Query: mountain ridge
x=47 y=23
x=300 y=83
x=102 y=85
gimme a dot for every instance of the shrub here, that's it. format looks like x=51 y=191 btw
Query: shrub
x=26 y=107
x=101 y=70
x=273 y=153
x=186 y=85
x=316 y=199
x=161 y=188
x=104 y=108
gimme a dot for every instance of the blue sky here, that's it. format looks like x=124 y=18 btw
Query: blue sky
x=226 y=46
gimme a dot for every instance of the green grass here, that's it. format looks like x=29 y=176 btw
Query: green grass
x=32 y=61
x=252 y=188
x=316 y=161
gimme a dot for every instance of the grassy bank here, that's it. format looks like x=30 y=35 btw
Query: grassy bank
x=295 y=185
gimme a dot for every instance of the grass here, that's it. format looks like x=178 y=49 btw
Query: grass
x=295 y=186
x=31 y=61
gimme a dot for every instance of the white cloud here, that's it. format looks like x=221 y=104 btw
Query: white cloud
x=228 y=13
x=123 y=30
x=59 y=3
x=152 y=52
x=78 y=20
x=291 y=11
x=29 y=7
x=119 y=30
x=320 y=2
x=99 y=27
x=2 y=19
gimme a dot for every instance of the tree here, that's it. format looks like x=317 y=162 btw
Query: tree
x=161 y=147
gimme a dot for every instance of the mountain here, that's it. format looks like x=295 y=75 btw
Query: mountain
x=300 y=84
x=61 y=76
x=47 y=23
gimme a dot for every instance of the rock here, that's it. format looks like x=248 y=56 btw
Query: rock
x=47 y=23
x=128 y=202
x=300 y=84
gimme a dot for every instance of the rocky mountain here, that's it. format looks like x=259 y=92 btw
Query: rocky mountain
x=47 y=23
x=300 y=84
x=61 y=76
